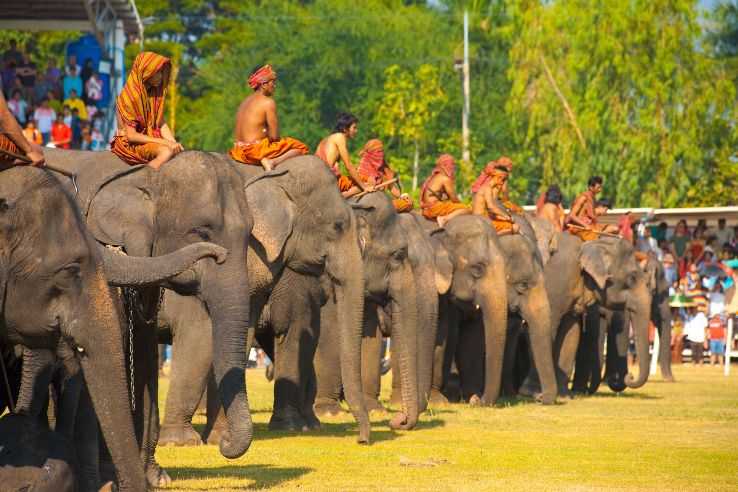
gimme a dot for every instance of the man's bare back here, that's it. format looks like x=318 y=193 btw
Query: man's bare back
x=253 y=119
x=330 y=147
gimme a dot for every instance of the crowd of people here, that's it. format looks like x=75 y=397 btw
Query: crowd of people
x=55 y=107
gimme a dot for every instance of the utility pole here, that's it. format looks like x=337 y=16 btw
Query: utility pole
x=465 y=156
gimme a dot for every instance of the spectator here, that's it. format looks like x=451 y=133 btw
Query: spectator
x=670 y=270
x=691 y=283
x=97 y=142
x=659 y=232
x=32 y=134
x=67 y=112
x=44 y=117
x=716 y=331
x=71 y=65
x=647 y=243
x=18 y=106
x=680 y=239
x=86 y=136
x=87 y=71
x=72 y=82
x=8 y=77
x=723 y=234
x=695 y=331
x=12 y=54
x=53 y=74
x=76 y=126
x=717 y=300
x=54 y=102
x=625 y=227
x=75 y=102
x=61 y=134
x=94 y=89
x=26 y=71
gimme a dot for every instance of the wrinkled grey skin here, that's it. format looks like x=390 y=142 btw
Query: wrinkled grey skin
x=56 y=296
x=303 y=229
x=194 y=197
x=579 y=275
x=471 y=279
x=389 y=282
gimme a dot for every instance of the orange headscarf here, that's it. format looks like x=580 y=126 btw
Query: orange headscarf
x=137 y=106
x=446 y=165
x=261 y=76
x=492 y=169
x=372 y=159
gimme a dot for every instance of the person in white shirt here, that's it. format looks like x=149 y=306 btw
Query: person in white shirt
x=717 y=300
x=723 y=234
x=695 y=330
x=44 y=117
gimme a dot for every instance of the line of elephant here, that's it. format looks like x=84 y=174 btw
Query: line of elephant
x=218 y=254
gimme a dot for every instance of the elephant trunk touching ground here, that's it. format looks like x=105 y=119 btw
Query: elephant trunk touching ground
x=537 y=313
x=346 y=268
x=99 y=346
x=492 y=298
x=226 y=292
x=427 y=329
x=639 y=305
x=404 y=336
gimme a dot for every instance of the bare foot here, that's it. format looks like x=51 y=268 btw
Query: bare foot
x=267 y=163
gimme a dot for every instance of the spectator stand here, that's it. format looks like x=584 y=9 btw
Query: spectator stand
x=111 y=24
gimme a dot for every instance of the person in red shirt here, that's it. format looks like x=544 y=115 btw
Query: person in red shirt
x=716 y=330
x=61 y=134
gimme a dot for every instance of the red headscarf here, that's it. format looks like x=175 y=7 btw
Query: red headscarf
x=261 y=76
x=446 y=165
x=372 y=159
x=137 y=106
x=490 y=170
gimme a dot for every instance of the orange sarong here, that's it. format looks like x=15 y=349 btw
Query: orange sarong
x=402 y=205
x=133 y=153
x=587 y=235
x=344 y=183
x=253 y=152
x=9 y=145
x=439 y=209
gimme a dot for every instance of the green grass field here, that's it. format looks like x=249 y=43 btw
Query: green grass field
x=681 y=436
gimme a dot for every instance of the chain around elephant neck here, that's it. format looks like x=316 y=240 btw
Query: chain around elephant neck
x=129 y=295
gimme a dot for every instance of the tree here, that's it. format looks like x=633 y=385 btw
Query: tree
x=411 y=103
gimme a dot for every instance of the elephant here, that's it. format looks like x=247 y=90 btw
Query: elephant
x=195 y=197
x=582 y=274
x=303 y=234
x=389 y=281
x=660 y=312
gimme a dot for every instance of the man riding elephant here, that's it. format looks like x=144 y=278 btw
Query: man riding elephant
x=12 y=139
x=582 y=219
x=490 y=196
x=438 y=194
x=373 y=170
x=335 y=147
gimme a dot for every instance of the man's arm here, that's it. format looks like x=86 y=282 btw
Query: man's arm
x=346 y=158
x=10 y=128
x=449 y=186
x=479 y=202
x=166 y=132
x=270 y=108
x=140 y=138
x=493 y=204
x=576 y=209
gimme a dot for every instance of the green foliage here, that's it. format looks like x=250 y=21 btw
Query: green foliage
x=41 y=46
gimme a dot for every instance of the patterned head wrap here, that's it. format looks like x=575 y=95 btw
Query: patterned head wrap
x=485 y=176
x=446 y=165
x=372 y=159
x=262 y=76
x=137 y=106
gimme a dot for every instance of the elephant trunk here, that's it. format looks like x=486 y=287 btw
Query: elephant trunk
x=346 y=267
x=492 y=298
x=427 y=331
x=537 y=313
x=38 y=365
x=639 y=304
x=101 y=358
x=405 y=336
x=226 y=295
x=122 y=270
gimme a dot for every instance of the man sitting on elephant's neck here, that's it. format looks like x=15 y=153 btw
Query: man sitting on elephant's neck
x=12 y=140
x=490 y=196
x=257 y=127
x=582 y=218
x=438 y=194
x=143 y=137
x=373 y=170
x=334 y=147
x=551 y=209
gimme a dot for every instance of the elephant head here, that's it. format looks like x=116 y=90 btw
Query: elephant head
x=389 y=278
x=617 y=282
x=54 y=292
x=470 y=267
x=302 y=222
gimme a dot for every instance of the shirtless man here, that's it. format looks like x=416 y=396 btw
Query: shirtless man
x=582 y=219
x=438 y=195
x=490 y=197
x=335 y=146
x=552 y=210
x=12 y=140
x=257 y=139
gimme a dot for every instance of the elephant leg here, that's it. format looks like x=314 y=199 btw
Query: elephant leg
x=511 y=350
x=216 y=424
x=451 y=385
x=328 y=364
x=191 y=361
x=439 y=351
x=86 y=439
x=587 y=351
x=617 y=351
x=371 y=350
x=663 y=323
x=470 y=360
x=567 y=343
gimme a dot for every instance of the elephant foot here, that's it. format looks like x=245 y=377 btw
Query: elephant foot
x=157 y=477
x=178 y=435
x=668 y=378
x=579 y=390
x=475 y=401
x=311 y=419
x=373 y=406
x=545 y=399
x=269 y=372
x=529 y=389
x=398 y=421
x=214 y=435
x=437 y=398
x=287 y=419
x=328 y=408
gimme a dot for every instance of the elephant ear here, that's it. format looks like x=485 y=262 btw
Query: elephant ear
x=273 y=212
x=444 y=266
x=6 y=227
x=592 y=260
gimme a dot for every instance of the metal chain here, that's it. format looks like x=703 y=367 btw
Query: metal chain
x=130 y=298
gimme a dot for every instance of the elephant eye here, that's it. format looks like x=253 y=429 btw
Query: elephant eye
x=338 y=226
x=477 y=270
x=521 y=287
x=631 y=280
x=399 y=256
x=67 y=276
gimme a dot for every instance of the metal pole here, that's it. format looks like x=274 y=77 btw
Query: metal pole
x=728 y=346
x=655 y=354
x=465 y=156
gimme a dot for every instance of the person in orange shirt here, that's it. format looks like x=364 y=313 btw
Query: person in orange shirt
x=257 y=139
x=438 y=194
x=335 y=147
x=61 y=134
x=32 y=134
x=373 y=170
